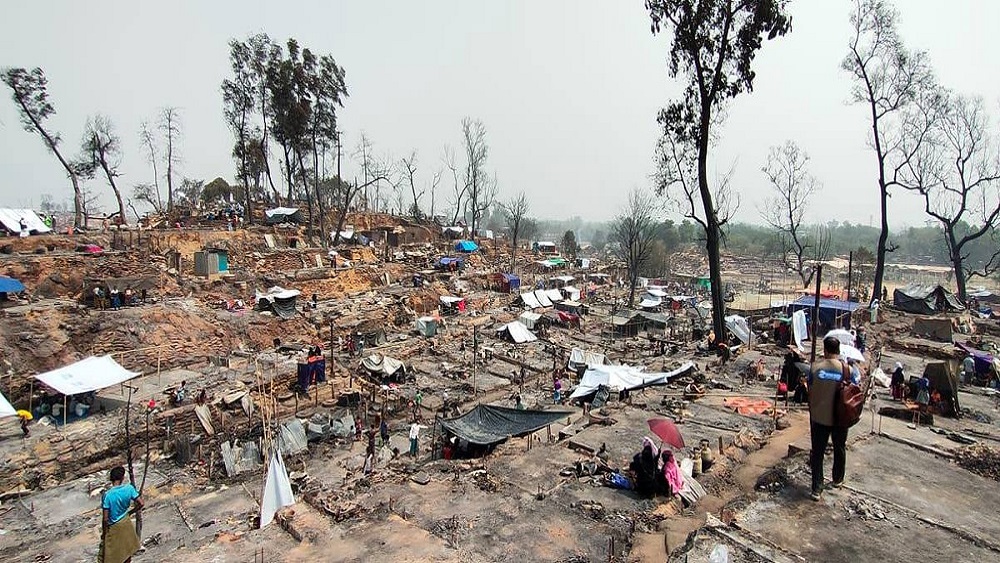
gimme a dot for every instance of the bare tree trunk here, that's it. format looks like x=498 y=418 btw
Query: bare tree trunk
x=712 y=234
x=78 y=211
x=309 y=197
x=114 y=188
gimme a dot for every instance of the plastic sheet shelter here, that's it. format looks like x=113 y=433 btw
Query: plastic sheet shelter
x=830 y=310
x=571 y=293
x=91 y=374
x=282 y=215
x=449 y=262
x=530 y=301
x=944 y=379
x=6 y=409
x=516 y=332
x=554 y=295
x=579 y=358
x=10 y=285
x=426 y=326
x=529 y=319
x=618 y=378
x=10 y=219
x=377 y=363
x=489 y=424
x=925 y=300
x=508 y=283
x=739 y=327
x=466 y=246
x=279 y=300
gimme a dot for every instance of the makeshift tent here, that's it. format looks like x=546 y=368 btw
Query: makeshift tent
x=572 y=293
x=448 y=262
x=426 y=326
x=944 y=379
x=283 y=215
x=377 y=363
x=739 y=327
x=450 y=302
x=517 y=332
x=529 y=319
x=545 y=247
x=466 y=246
x=618 y=378
x=10 y=219
x=277 y=490
x=650 y=302
x=452 y=232
x=579 y=358
x=554 y=295
x=10 y=285
x=570 y=307
x=984 y=361
x=6 y=409
x=279 y=300
x=90 y=374
x=508 y=282
x=829 y=309
x=985 y=296
x=543 y=298
x=491 y=424
x=530 y=301
x=925 y=299
x=628 y=322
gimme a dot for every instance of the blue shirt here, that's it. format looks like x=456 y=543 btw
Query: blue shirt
x=117 y=501
x=829 y=375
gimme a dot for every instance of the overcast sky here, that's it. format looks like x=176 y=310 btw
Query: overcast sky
x=568 y=90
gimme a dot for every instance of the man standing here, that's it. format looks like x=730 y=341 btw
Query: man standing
x=825 y=377
x=119 y=541
x=414 y=436
x=968 y=369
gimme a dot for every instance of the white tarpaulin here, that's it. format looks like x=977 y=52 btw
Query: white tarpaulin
x=518 y=332
x=656 y=292
x=554 y=295
x=543 y=298
x=530 y=301
x=618 y=378
x=91 y=374
x=528 y=319
x=650 y=302
x=572 y=293
x=6 y=409
x=277 y=292
x=277 y=490
x=281 y=211
x=738 y=326
x=578 y=357
x=450 y=299
x=799 y=330
x=11 y=220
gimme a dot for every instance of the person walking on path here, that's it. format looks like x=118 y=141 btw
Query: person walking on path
x=414 y=437
x=825 y=377
x=119 y=541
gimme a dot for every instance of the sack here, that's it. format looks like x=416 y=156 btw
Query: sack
x=849 y=403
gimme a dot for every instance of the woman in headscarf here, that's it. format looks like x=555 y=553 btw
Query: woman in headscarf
x=898 y=382
x=672 y=473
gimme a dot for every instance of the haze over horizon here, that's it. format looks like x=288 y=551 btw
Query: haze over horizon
x=568 y=91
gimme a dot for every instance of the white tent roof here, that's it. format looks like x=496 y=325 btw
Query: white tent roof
x=6 y=409
x=579 y=357
x=281 y=211
x=530 y=316
x=451 y=299
x=91 y=374
x=565 y=279
x=11 y=219
x=518 y=332
x=656 y=292
x=647 y=302
x=543 y=298
x=277 y=292
x=554 y=295
x=622 y=377
x=530 y=300
x=738 y=326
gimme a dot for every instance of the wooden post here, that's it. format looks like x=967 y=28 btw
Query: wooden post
x=31 y=393
x=850 y=274
x=475 y=356
x=815 y=319
x=158 y=354
x=64 y=410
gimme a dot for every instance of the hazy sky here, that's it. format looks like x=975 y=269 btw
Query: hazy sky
x=568 y=90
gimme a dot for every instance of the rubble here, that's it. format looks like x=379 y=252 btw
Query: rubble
x=980 y=459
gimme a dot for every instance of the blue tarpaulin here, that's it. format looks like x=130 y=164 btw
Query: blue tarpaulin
x=511 y=281
x=449 y=260
x=829 y=309
x=10 y=285
x=466 y=246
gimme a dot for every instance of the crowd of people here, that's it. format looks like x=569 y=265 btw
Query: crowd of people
x=113 y=298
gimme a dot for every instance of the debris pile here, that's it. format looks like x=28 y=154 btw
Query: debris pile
x=864 y=509
x=981 y=460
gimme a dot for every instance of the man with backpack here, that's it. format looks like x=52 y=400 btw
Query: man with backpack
x=824 y=384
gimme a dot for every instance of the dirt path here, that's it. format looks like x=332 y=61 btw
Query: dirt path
x=653 y=547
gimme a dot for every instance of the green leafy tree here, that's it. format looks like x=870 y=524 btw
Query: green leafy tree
x=216 y=191
x=713 y=47
x=569 y=244
x=29 y=90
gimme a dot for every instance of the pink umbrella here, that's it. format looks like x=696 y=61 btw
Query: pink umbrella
x=667 y=431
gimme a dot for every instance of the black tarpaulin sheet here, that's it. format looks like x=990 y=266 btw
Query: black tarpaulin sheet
x=490 y=424
x=284 y=308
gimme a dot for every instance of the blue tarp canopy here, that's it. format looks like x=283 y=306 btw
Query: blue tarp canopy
x=807 y=301
x=449 y=260
x=466 y=246
x=511 y=280
x=10 y=285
